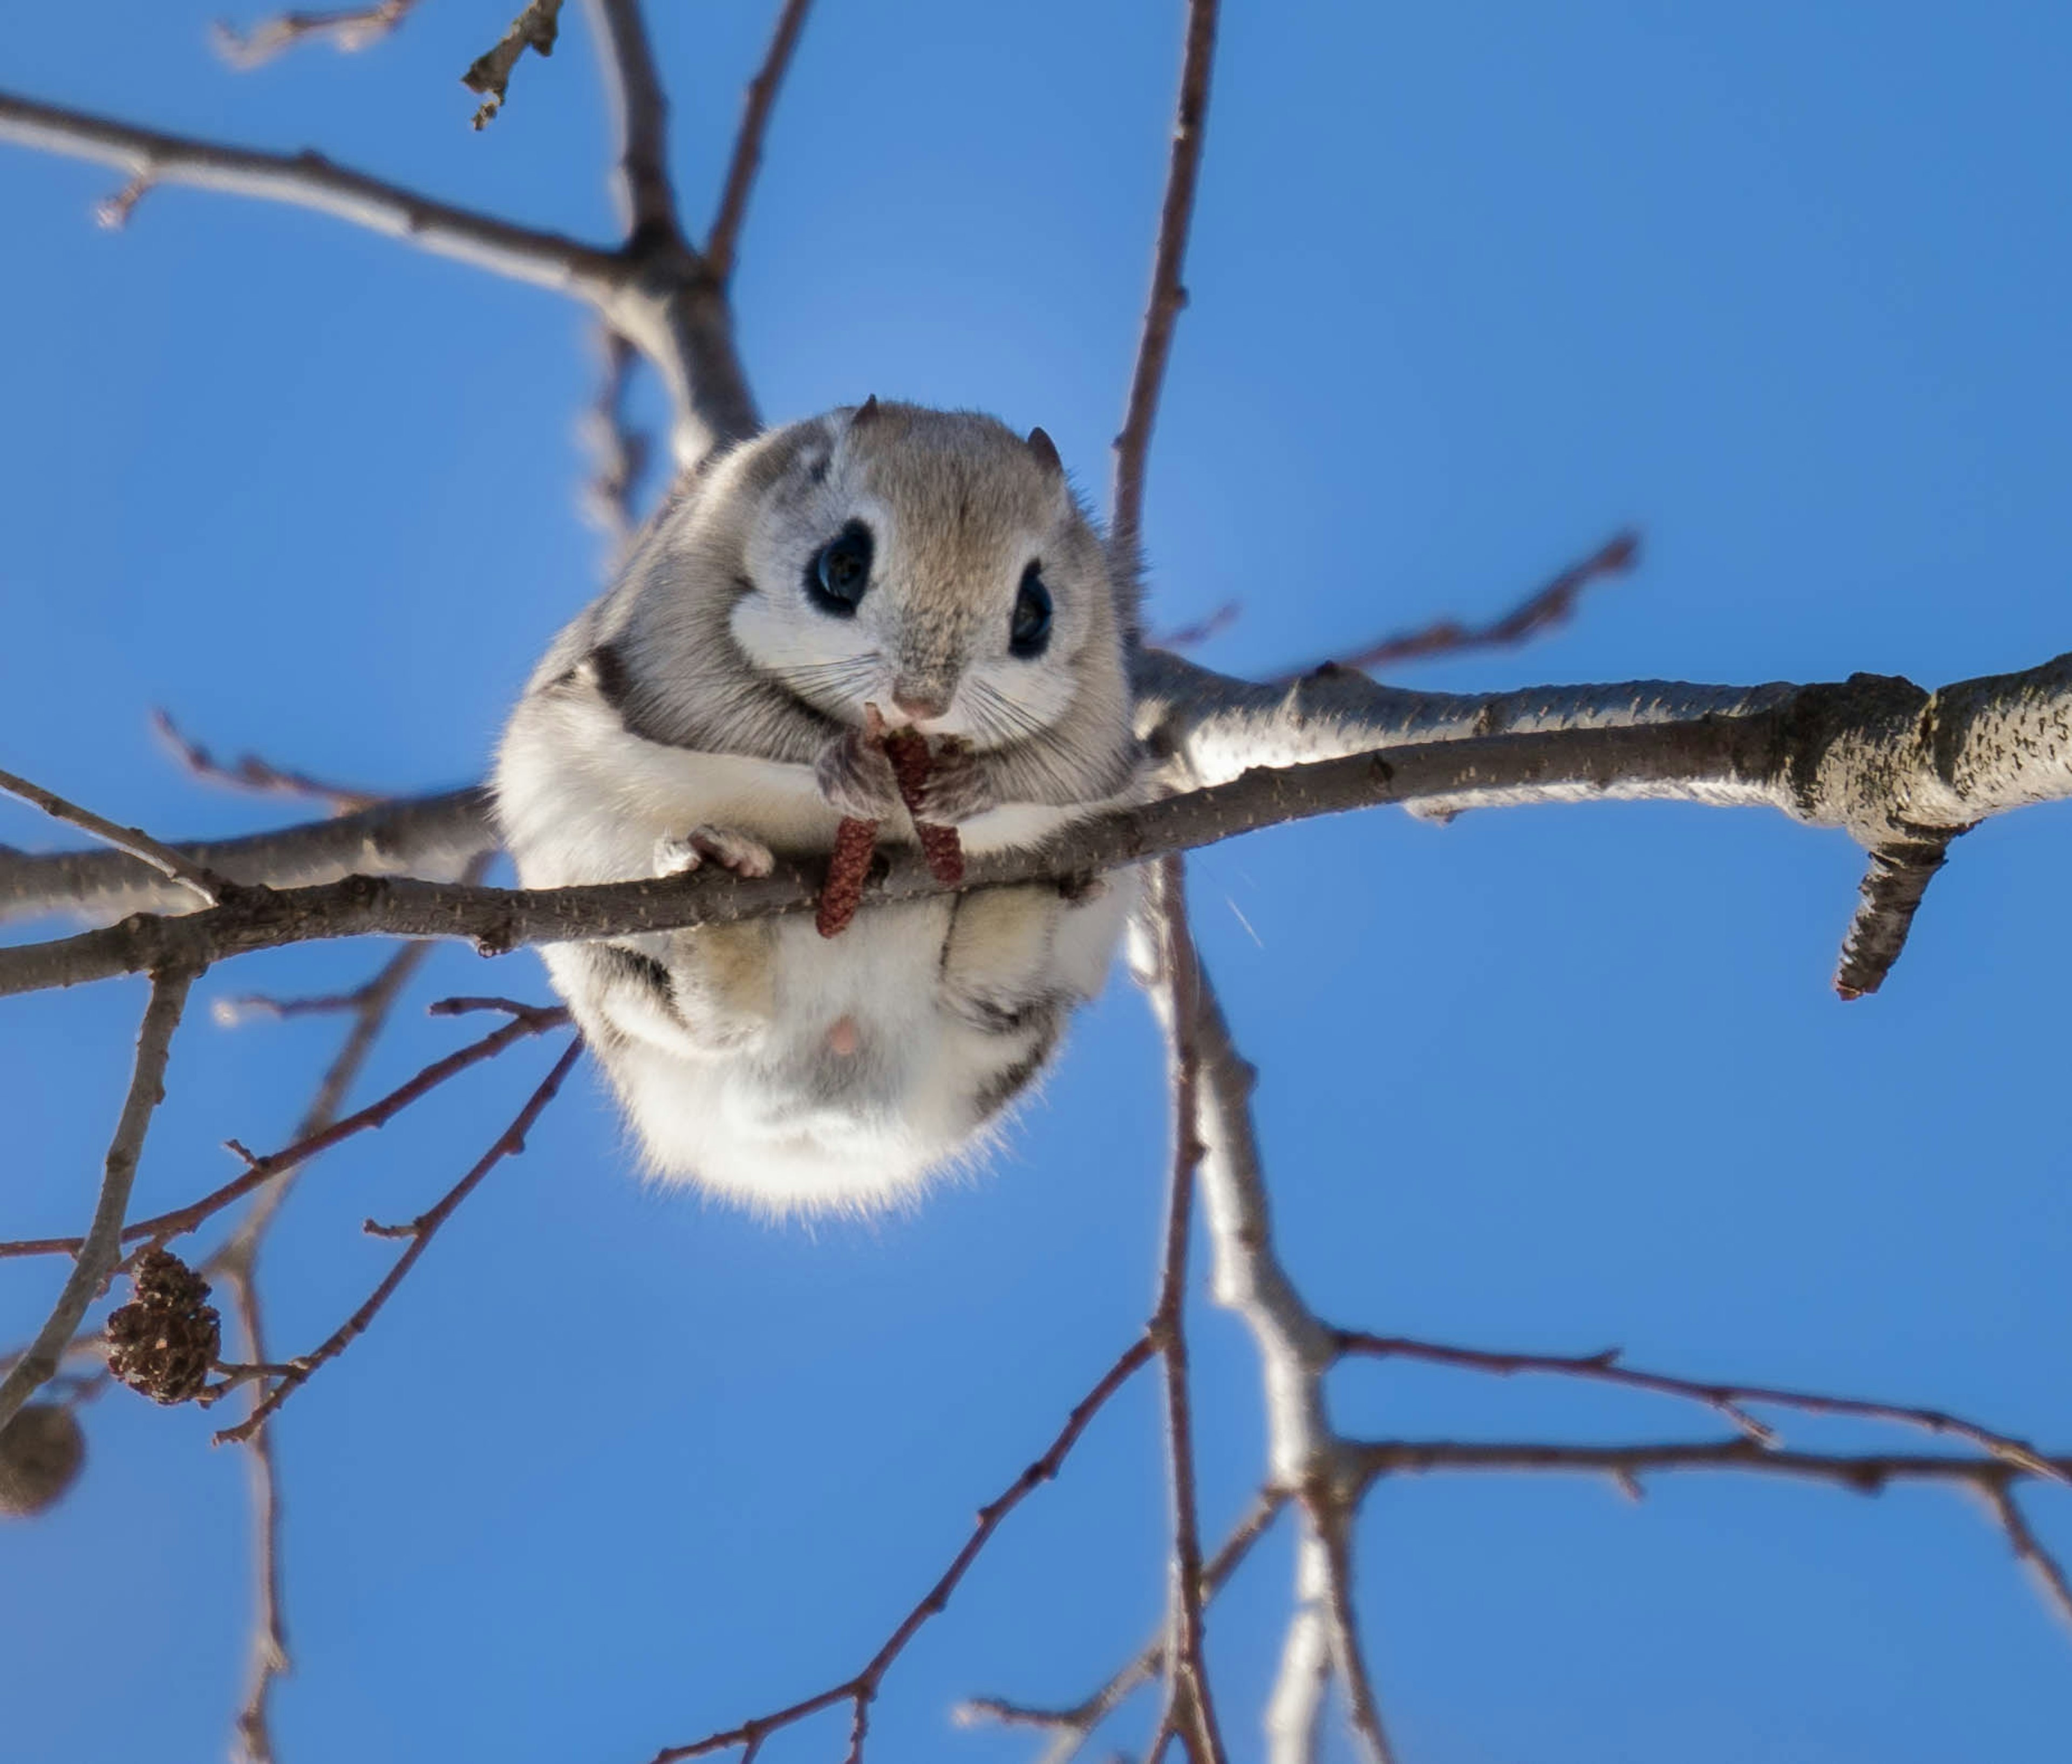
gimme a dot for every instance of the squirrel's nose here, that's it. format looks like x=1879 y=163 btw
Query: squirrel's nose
x=919 y=704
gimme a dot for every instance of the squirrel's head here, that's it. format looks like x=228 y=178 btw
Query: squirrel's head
x=933 y=563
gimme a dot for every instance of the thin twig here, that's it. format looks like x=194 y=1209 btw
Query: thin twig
x=236 y=1263
x=349 y=30
x=724 y=238
x=1725 y=1399
x=135 y=841
x=99 y=1250
x=1866 y=1473
x=2050 y=1571
x=163 y=1227
x=1542 y=610
x=249 y=772
x=1073 y=1727
x=420 y=1231
x=1161 y=313
x=861 y=1690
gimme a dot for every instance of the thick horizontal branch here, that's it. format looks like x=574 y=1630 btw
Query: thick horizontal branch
x=1876 y=754
x=502 y=919
x=1869 y=754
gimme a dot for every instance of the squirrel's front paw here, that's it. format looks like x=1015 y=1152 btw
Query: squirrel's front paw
x=727 y=846
x=958 y=786
x=856 y=778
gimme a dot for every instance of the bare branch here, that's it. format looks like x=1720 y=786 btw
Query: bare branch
x=236 y=1263
x=1865 y=1473
x=1728 y=1399
x=1895 y=880
x=620 y=453
x=349 y=30
x=536 y=28
x=1553 y=605
x=420 y=1231
x=2028 y=1548
x=1330 y=1521
x=308 y=180
x=164 y=1227
x=647 y=200
x=249 y=772
x=724 y=238
x=1190 y=1712
x=862 y=1691
x=135 y=841
x=1161 y=312
x=101 y=1247
x=269 y=1654
x=1073 y=1727
x=430 y=835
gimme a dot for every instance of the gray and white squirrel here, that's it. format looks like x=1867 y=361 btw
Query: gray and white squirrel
x=882 y=566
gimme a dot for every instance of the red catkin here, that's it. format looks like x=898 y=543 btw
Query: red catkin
x=848 y=867
x=944 y=850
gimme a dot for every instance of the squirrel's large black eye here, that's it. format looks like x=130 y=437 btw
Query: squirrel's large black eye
x=840 y=572
x=1030 y=631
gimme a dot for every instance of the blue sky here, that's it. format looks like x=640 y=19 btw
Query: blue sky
x=1473 y=286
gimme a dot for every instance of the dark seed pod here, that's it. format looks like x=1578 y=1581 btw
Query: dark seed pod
x=848 y=869
x=164 y=1341
x=944 y=850
x=41 y=1450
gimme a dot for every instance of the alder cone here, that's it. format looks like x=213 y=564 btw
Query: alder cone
x=41 y=1450
x=848 y=867
x=941 y=848
x=164 y=1341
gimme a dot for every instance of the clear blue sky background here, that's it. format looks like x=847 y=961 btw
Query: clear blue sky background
x=1473 y=285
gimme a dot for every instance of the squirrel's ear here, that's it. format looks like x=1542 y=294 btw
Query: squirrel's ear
x=866 y=412
x=1046 y=451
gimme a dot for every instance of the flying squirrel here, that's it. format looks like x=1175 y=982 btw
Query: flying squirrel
x=881 y=566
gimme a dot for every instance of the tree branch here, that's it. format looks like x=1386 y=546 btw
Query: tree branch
x=195 y=880
x=428 y=835
x=1072 y=1728
x=640 y=114
x=746 y=158
x=102 y=1247
x=1553 y=605
x=862 y=1691
x=251 y=773
x=420 y=1231
x=1728 y=1399
x=526 y=1020
x=308 y=180
x=1894 y=881
x=1189 y=1711
x=1161 y=313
